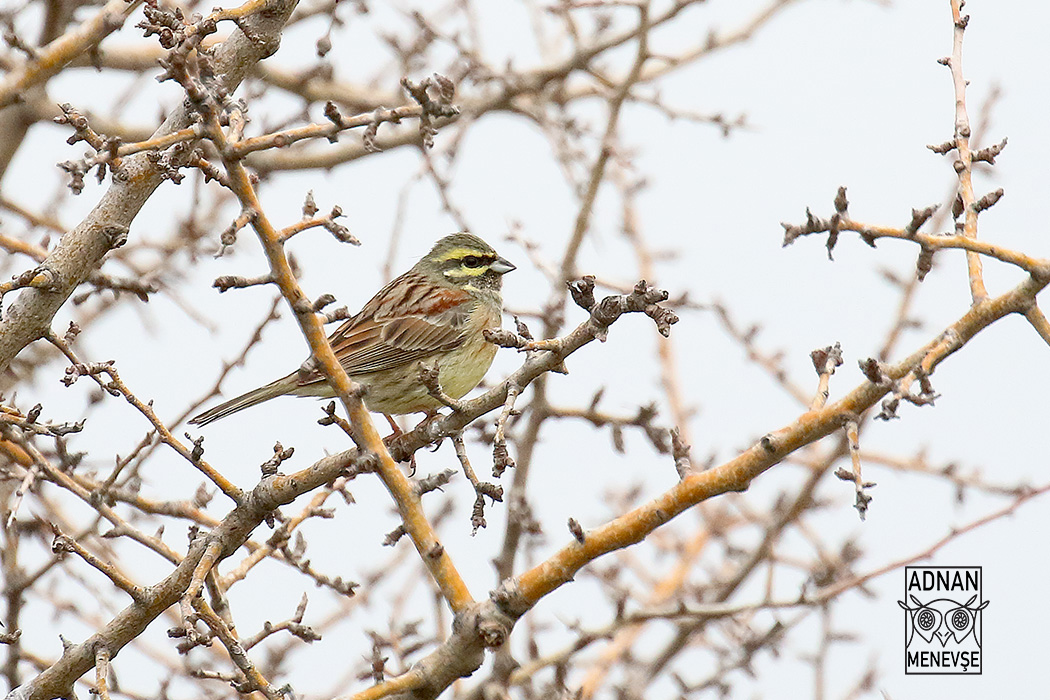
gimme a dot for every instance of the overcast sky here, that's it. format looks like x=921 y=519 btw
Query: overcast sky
x=834 y=93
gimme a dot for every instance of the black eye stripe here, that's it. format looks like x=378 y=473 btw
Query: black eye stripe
x=476 y=261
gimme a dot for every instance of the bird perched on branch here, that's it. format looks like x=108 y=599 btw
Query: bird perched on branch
x=436 y=312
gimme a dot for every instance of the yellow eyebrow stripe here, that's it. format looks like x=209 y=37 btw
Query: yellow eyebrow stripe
x=463 y=271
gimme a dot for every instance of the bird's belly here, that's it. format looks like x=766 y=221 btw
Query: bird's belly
x=397 y=391
x=462 y=369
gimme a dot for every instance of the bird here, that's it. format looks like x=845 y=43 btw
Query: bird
x=436 y=312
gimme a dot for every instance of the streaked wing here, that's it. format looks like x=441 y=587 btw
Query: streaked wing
x=407 y=320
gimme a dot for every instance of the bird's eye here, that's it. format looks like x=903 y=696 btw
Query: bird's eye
x=473 y=261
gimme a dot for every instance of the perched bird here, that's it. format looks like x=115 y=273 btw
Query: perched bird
x=435 y=312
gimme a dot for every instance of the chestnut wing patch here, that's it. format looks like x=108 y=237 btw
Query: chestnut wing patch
x=374 y=341
x=402 y=341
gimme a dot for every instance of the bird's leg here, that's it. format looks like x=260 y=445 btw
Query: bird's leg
x=393 y=424
x=397 y=433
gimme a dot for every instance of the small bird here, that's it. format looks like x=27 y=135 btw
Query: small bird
x=435 y=312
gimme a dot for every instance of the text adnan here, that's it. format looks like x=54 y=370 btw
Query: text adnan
x=942 y=580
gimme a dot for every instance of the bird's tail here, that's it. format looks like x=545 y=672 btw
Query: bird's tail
x=282 y=386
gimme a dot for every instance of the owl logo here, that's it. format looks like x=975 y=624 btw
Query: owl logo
x=942 y=635
x=944 y=620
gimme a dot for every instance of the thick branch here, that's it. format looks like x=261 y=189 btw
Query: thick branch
x=81 y=251
x=737 y=474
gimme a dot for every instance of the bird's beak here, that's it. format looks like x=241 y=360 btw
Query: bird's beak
x=502 y=266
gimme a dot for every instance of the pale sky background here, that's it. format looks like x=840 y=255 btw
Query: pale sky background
x=835 y=93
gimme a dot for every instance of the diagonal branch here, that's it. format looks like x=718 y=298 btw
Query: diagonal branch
x=364 y=432
x=80 y=252
x=63 y=50
x=737 y=474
